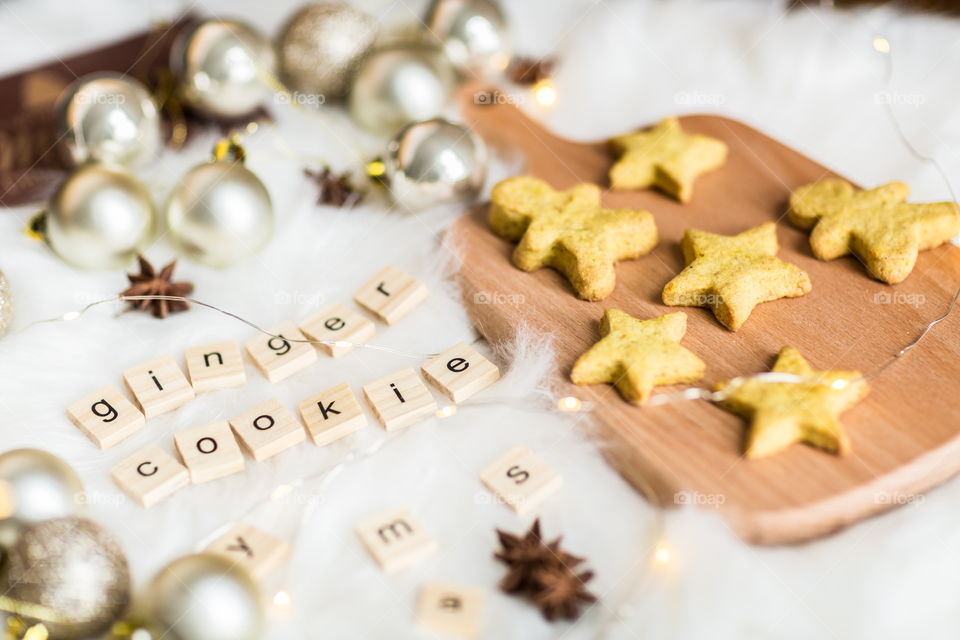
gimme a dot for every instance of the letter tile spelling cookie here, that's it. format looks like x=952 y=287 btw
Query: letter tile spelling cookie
x=637 y=355
x=784 y=412
x=733 y=274
x=877 y=225
x=569 y=231
x=666 y=158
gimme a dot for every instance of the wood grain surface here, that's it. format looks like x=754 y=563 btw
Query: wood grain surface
x=904 y=434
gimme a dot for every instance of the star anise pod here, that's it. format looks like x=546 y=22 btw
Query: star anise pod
x=334 y=189
x=150 y=283
x=561 y=592
x=544 y=573
x=531 y=70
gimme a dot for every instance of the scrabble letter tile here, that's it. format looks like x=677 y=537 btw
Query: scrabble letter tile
x=106 y=416
x=267 y=430
x=257 y=551
x=338 y=323
x=277 y=357
x=450 y=609
x=459 y=372
x=395 y=539
x=150 y=475
x=158 y=385
x=332 y=414
x=521 y=479
x=215 y=366
x=400 y=399
x=209 y=451
x=391 y=294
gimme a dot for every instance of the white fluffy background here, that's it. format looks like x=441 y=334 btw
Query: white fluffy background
x=808 y=77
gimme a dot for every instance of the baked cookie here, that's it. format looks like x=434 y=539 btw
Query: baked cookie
x=569 y=231
x=781 y=413
x=733 y=274
x=666 y=158
x=637 y=355
x=877 y=225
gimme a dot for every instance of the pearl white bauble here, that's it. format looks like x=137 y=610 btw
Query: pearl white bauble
x=434 y=161
x=473 y=34
x=221 y=66
x=219 y=213
x=99 y=217
x=204 y=597
x=399 y=85
x=35 y=486
x=108 y=117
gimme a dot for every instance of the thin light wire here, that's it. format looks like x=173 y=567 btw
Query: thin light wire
x=73 y=315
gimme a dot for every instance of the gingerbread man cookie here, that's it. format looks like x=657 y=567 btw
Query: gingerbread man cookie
x=807 y=410
x=569 y=231
x=877 y=225
x=637 y=355
x=733 y=274
x=666 y=158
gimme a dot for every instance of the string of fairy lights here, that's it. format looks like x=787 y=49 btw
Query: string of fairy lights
x=661 y=553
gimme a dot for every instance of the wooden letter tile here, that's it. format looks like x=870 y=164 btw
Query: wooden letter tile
x=215 y=366
x=209 y=451
x=521 y=479
x=106 y=416
x=150 y=475
x=332 y=414
x=391 y=294
x=277 y=357
x=450 y=609
x=395 y=539
x=158 y=385
x=400 y=399
x=459 y=372
x=339 y=323
x=268 y=429
x=257 y=551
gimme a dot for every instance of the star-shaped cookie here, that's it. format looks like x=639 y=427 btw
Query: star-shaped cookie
x=666 y=158
x=637 y=355
x=876 y=225
x=781 y=413
x=733 y=274
x=569 y=231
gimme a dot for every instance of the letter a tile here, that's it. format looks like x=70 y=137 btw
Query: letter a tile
x=450 y=609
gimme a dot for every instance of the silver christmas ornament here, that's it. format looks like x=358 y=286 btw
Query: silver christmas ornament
x=473 y=34
x=6 y=304
x=219 y=213
x=434 y=161
x=75 y=569
x=320 y=46
x=221 y=67
x=204 y=597
x=34 y=486
x=399 y=85
x=98 y=217
x=108 y=117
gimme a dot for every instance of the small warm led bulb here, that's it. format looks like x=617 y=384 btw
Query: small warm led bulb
x=71 y=315
x=569 y=403
x=281 y=599
x=662 y=554
x=447 y=411
x=545 y=93
x=881 y=44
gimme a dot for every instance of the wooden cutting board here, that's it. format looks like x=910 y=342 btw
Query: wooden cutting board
x=904 y=434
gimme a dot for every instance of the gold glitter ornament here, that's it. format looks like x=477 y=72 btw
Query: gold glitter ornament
x=73 y=569
x=320 y=46
x=6 y=304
